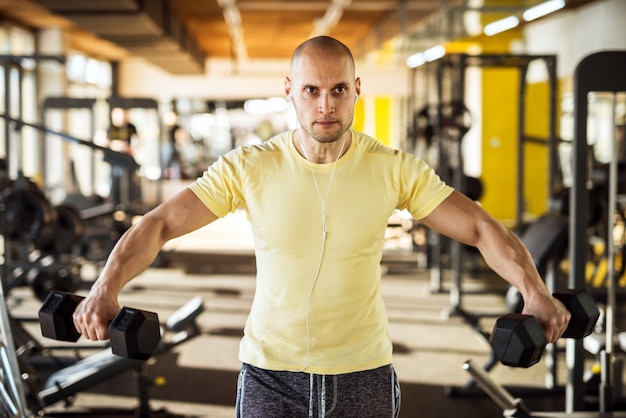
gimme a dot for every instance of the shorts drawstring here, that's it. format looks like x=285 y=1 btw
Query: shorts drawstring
x=310 y=396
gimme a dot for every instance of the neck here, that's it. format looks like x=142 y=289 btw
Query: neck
x=320 y=152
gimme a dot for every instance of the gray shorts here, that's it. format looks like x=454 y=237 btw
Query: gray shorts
x=279 y=394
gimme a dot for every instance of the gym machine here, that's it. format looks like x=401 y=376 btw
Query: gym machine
x=599 y=72
x=450 y=74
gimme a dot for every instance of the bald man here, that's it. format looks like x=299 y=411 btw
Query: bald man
x=316 y=342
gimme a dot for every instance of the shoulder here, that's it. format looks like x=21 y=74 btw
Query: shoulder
x=371 y=146
x=274 y=147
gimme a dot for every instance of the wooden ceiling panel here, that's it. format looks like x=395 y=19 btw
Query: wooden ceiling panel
x=211 y=34
x=263 y=28
x=278 y=38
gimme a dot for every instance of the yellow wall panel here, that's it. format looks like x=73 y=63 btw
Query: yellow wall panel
x=537 y=158
x=499 y=146
x=358 y=124
x=383 y=106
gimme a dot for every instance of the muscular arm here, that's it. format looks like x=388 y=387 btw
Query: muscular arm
x=133 y=253
x=463 y=220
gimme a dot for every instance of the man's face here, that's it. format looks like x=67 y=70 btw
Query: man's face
x=323 y=90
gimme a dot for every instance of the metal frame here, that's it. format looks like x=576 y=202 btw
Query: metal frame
x=599 y=72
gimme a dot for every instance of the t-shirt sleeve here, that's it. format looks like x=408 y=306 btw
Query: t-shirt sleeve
x=422 y=189
x=219 y=187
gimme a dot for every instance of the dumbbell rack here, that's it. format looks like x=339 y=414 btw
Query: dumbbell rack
x=600 y=72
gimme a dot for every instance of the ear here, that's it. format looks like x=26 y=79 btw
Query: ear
x=357 y=87
x=288 y=89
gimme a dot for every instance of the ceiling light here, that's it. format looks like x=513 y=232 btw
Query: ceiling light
x=501 y=25
x=434 y=53
x=543 y=9
x=431 y=54
x=415 y=60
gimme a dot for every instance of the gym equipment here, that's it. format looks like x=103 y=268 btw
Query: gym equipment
x=448 y=76
x=455 y=119
x=26 y=210
x=41 y=240
x=133 y=333
x=62 y=278
x=514 y=407
x=64 y=384
x=519 y=341
x=60 y=235
x=12 y=396
x=598 y=72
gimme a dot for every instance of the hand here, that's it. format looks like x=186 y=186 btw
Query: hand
x=94 y=314
x=551 y=314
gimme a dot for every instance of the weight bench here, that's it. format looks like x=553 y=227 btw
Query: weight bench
x=64 y=383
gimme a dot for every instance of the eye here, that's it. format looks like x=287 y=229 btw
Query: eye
x=310 y=89
x=341 y=89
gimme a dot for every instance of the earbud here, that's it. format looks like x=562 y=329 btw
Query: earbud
x=356 y=97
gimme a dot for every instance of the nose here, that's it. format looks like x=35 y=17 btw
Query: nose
x=326 y=104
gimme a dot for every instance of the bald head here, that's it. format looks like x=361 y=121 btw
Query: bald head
x=324 y=46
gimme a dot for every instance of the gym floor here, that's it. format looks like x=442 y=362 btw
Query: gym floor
x=199 y=376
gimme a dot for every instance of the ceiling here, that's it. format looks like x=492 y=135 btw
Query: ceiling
x=178 y=35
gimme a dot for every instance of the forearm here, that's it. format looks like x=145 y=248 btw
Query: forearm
x=133 y=253
x=506 y=255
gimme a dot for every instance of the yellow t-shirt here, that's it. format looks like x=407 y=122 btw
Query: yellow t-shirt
x=317 y=306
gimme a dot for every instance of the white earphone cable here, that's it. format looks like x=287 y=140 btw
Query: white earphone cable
x=324 y=232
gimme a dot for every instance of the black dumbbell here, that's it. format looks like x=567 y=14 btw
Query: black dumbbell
x=518 y=340
x=133 y=333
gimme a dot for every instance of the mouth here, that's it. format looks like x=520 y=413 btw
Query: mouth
x=325 y=123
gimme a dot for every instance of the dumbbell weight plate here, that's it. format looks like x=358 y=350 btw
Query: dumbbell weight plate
x=134 y=333
x=585 y=312
x=60 y=278
x=518 y=340
x=455 y=119
x=25 y=213
x=59 y=236
x=55 y=316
